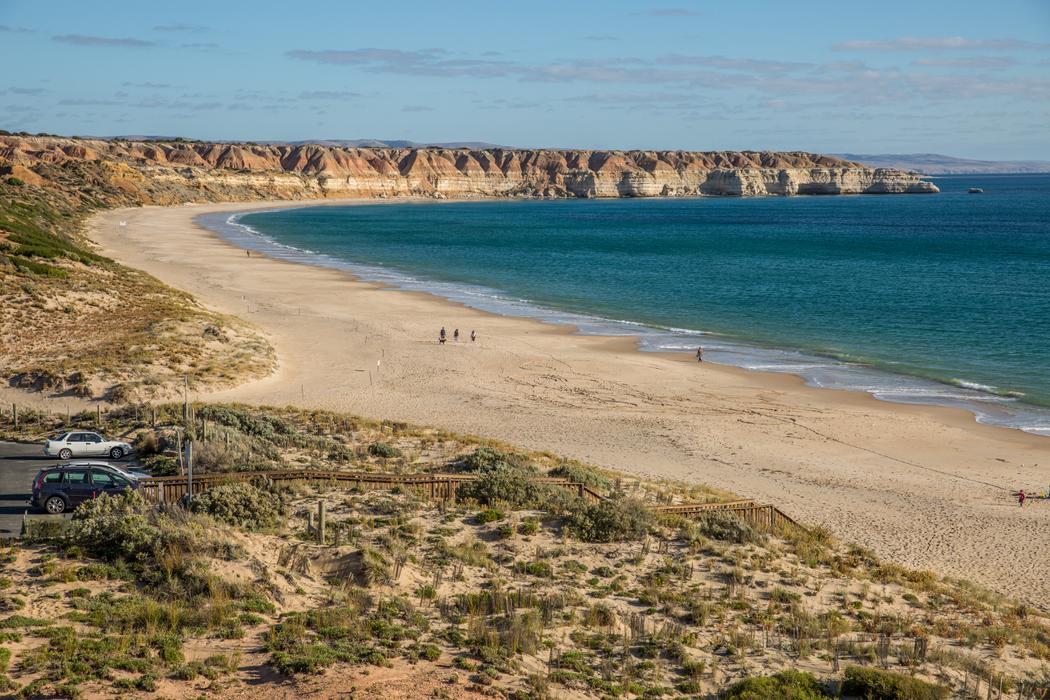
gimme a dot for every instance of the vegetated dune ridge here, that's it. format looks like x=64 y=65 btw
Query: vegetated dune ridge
x=297 y=171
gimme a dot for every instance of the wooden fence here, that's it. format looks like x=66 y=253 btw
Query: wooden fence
x=435 y=486
x=439 y=486
x=759 y=514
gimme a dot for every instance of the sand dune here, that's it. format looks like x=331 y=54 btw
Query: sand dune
x=925 y=486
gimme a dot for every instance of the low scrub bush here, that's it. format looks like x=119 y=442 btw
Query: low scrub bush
x=786 y=685
x=615 y=520
x=876 y=684
x=249 y=421
x=242 y=504
x=528 y=526
x=486 y=459
x=383 y=449
x=489 y=515
x=726 y=527
x=581 y=474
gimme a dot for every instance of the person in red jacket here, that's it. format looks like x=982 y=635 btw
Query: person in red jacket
x=1020 y=498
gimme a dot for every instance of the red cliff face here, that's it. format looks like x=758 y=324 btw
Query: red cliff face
x=223 y=170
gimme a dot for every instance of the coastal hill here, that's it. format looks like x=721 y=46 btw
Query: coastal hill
x=937 y=164
x=216 y=171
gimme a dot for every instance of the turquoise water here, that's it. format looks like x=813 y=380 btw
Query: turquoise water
x=929 y=298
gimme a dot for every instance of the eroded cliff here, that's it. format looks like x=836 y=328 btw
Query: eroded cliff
x=165 y=172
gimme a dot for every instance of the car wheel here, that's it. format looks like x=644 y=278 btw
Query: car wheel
x=116 y=453
x=65 y=453
x=55 y=505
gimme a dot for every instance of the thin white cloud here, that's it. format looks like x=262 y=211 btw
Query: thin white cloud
x=322 y=95
x=181 y=27
x=843 y=81
x=936 y=43
x=970 y=62
x=86 y=40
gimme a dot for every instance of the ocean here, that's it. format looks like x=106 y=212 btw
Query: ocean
x=940 y=299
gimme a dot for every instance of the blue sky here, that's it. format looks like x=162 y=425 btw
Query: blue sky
x=964 y=78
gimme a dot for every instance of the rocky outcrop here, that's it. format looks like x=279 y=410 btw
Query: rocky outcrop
x=237 y=171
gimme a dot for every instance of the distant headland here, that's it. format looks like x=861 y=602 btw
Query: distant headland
x=182 y=170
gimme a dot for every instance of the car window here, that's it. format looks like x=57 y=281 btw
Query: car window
x=92 y=437
x=76 y=476
x=52 y=477
x=106 y=479
x=74 y=437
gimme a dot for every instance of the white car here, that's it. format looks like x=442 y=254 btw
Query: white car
x=84 y=444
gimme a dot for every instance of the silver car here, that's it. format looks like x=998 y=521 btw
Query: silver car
x=119 y=471
x=84 y=444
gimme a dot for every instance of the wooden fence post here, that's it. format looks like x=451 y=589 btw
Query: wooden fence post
x=189 y=467
x=98 y=415
x=14 y=414
x=322 y=521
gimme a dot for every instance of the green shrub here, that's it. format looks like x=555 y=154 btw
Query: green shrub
x=160 y=465
x=241 y=504
x=517 y=487
x=875 y=684
x=505 y=531
x=486 y=459
x=375 y=568
x=615 y=520
x=588 y=476
x=383 y=449
x=541 y=569
x=786 y=685
x=726 y=527
x=249 y=421
x=15 y=181
x=489 y=515
x=528 y=526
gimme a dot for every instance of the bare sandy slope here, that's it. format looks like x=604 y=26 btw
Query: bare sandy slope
x=925 y=486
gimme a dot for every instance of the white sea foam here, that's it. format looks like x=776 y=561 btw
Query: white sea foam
x=989 y=404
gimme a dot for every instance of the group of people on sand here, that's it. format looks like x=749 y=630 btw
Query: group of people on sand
x=443 y=336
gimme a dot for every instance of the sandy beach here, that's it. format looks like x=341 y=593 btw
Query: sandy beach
x=925 y=486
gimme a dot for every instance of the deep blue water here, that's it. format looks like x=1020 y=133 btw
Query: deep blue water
x=932 y=298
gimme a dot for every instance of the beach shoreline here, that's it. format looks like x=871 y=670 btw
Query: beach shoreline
x=913 y=482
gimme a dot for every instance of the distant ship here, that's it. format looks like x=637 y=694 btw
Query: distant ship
x=975 y=190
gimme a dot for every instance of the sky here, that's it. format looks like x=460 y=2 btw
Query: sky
x=959 y=77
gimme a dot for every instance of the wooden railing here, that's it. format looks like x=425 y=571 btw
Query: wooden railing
x=439 y=486
x=435 y=486
x=759 y=514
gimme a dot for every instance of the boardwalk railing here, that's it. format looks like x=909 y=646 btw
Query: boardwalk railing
x=760 y=514
x=439 y=486
x=435 y=486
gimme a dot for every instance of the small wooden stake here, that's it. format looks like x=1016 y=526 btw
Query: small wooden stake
x=322 y=521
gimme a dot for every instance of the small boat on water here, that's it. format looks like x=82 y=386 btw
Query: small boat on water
x=975 y=190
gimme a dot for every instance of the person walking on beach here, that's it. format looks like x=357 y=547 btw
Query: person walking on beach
x=455 y=335
x=249 y=253
x=441 y=336
x=700 y=354
x=1020 y=498
x=473 y=336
